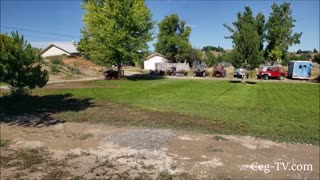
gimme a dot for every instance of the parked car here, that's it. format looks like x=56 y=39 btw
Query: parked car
x=181 y=73
x=199 y=69
x=171 y=72
x=238 y=73
x=218 y=71
x=271 y=72
x=110 y=74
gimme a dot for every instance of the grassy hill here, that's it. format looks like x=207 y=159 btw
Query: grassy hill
x=66 y=68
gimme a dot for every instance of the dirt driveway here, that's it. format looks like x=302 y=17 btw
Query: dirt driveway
x=86 y=151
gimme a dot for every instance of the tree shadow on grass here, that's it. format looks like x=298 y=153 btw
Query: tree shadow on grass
x=235 y=81
x=37 y=111
x=251 y=82
x=239 y=81
x=137 y=77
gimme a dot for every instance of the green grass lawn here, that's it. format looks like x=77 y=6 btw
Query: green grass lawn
x=278 y=111
x=3 y=84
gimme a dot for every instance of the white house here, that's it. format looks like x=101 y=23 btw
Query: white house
x=59 y=49
x=150 y=62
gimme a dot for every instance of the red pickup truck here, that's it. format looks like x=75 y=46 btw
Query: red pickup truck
x=268 y=72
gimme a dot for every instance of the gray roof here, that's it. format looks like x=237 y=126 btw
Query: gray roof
x=155 y=54
x=67 y=47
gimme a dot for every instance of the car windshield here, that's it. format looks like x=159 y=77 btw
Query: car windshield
x=264 y=68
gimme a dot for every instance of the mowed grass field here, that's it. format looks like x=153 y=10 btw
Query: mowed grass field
x=279 y=111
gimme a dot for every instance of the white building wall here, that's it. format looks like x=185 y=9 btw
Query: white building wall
x=150 y=64
x=53 y=51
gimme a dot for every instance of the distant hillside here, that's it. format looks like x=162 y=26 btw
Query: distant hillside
x=66 y=68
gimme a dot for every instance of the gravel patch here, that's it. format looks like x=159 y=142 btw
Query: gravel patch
x=150 y=139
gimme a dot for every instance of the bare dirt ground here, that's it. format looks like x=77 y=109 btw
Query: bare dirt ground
x=96 y=151
x=73 y=68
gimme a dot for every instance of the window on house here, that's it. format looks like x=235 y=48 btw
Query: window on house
x=300 y=66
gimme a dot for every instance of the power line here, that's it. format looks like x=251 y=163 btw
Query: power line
x=22 y=29
x=45 y=37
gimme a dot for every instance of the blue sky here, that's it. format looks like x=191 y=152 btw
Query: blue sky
x=205 y=17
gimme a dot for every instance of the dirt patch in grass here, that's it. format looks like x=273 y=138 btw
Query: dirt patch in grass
x=121 y=115
x=77 y=85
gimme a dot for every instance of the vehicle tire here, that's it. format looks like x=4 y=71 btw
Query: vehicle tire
x=281 y=77
x=265 y=77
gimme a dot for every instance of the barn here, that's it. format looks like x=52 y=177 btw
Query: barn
x=59 y=49
x=150 y=62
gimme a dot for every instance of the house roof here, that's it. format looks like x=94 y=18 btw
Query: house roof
x=155 y=54
x=66 y=47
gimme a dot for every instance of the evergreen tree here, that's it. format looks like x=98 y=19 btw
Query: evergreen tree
x=20 y=64
x=247 y=37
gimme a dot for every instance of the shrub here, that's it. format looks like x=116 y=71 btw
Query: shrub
x=316 y=58
x=54 y=68
x=74 y=70
x=56 y=60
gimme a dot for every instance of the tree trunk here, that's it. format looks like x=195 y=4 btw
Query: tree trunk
x=119 y=72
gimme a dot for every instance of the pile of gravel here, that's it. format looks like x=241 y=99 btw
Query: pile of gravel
x=142 y=139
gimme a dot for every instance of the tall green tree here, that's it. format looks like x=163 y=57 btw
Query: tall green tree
x=195 y=54
x=20 y=64
x=247 y=37
x=4 y=41
x=212 y=48
x=115 y=32
x=316 y=58
x=261 y=28
x=210 y=59
x=280 y=32
x=173 y=38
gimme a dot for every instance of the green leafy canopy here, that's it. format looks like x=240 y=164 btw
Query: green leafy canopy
x=115 y=32
x=280 y=32
x=173 y=38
